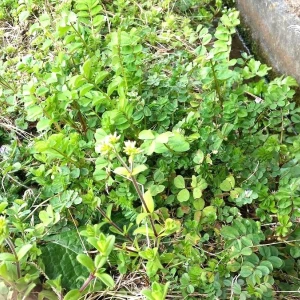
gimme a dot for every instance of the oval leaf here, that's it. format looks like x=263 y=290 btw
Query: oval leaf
x=23 y=251
x=183 y=195
x=149 y=201
x=179 y=182
x=86 y=261
x=73 y=295
x=106 y=279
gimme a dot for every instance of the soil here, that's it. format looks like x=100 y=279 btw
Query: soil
x=294 y=6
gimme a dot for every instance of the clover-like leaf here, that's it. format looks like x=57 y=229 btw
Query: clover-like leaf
x=179 y=182
x=183 y=195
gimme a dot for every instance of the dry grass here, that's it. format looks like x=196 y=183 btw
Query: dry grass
x=9 y=126
x=12 y=35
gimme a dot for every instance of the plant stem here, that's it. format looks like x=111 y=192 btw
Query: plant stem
x=5 y=84
x=87 y=282
x=82 y=40
x=133 y=179
x=12 y=248
x=138 y=190
x=66 y=157
x=127 y=249
x=112 y=223
x=80 y=116
x=216 y=83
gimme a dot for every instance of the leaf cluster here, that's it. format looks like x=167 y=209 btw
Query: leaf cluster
x=134 y=146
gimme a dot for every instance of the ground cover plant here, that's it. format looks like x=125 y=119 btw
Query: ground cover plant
x=139 y=160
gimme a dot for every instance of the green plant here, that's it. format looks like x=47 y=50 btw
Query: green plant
x=133 y=146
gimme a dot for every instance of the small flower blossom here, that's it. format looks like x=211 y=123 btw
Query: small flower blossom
x=258 y=100
x=107 y=145
x=104 y=148
x=112 y=138
x=130 y=149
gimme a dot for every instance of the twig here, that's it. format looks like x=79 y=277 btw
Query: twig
x=87 y=282
x=112 y=223
x=138 y=190
x=255 y=170
x=12 y=248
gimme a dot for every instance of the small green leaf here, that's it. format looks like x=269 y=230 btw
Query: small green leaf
x=144 y=230
x=94 y=242
x=229 y=232
x=100 y=260
x=106 y=279
x=225 y=186
x=199 y=157
x=23 y=16
x=43 y=124
x=267 y=264
x=163 y=138
x=7 y=257
x=237 y=289
x=101 y=76
x=41 y=91
x=100 y=174
x=98 y=20
x=84 y=90
x=110 y=241
x=122 y=171
x=183 y=195
x=86 y=261
x=246 y=241
x=86 y=68
x=45 y=218
x=197 y=193
x=73 y=295
x=140 y=217
x=23 y=251
x=149 y=201
x=246 y=271
x=117 y=81
x=199 y=204
x=156 y=189
x=263 y=269
x=178 y=143
x=34 y=112
x=295 y=251
x=209 y=211
x=246 y=251
x=146 y=135
x=179 y=182
x=228 y=184
x=138 y=169
x=206 y=39
x=3 y=205
x=234 y=266
x=275 y=261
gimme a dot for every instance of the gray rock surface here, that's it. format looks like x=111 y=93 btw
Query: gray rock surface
x=275 y=29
